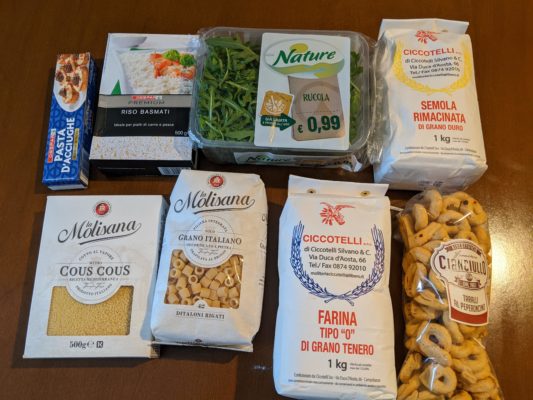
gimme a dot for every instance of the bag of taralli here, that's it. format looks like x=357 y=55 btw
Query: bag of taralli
x=428 y=128
x=209 y=289
x=446 y=282
x=334 y=330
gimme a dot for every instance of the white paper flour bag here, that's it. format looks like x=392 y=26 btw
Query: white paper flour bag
x=209 y=289
x=428 y=128
x=334 y=330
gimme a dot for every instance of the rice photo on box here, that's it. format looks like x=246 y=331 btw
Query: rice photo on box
x=161 y=72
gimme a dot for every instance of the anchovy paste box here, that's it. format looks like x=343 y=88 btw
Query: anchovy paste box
x=142 y=122
x=95 y=277
x=66 y=160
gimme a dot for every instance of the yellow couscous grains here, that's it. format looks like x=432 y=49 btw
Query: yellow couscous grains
x=68 y=317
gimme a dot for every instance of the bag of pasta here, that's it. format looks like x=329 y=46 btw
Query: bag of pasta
x=446 y=282
x=209 y=289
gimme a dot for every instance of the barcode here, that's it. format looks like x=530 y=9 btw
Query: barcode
x=170 y=170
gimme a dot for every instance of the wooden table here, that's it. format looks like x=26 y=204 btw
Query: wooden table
x=33 y=34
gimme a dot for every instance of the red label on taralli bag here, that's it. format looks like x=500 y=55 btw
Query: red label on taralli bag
x=463 y=266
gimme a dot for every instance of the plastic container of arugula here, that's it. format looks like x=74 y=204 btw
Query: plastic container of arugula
x=223 y=110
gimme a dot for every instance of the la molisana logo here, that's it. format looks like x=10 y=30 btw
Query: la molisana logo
x=216 y=181
x=424 y=36
x=102 y=208
x=331 y=213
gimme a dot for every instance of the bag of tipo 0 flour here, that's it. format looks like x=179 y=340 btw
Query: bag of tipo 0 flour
x=334 y=330
x=428 y=129
x=209 y=289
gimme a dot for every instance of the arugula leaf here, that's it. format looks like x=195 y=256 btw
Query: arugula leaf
x=228 y=90
x=356 y=69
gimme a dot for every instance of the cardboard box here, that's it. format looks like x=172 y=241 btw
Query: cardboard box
x=95 y=277
x=142 y=121
x=66 y=161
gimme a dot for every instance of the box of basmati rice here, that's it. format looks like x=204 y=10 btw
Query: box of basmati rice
x=142 y=121
x=95 y=277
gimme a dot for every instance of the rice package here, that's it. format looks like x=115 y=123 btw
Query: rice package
x=428 y=128
x=209 y=289
x=334 y=330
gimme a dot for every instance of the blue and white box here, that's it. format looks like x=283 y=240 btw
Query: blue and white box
x=66 y=161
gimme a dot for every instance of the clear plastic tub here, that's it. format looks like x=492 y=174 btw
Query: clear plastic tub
x=245 y=152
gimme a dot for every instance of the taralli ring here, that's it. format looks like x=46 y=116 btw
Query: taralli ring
x=426 y=234
x=436 y=282
x=453 y=327
x=434 y=198
x=466 y=349
x=435 y=342
x=474 y=362
x=420 y=216
x=450 y=203
x=429 y=299
x=481 y=386
x=412 y=363
x=475 y=213
x=462 y=395
x=453 y=222
x=411 y=328
x=439 y=379
x=420 y=254
x=407 y=230
x=427 y=395
x=406 y=389
x=422 y=313
x=413 y=279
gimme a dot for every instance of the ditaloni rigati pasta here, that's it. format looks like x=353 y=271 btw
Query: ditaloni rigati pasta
x=211 y=273
x=95 y=277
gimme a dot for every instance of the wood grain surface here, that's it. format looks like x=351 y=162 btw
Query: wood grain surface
x=32 y=33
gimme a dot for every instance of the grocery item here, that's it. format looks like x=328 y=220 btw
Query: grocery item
x=306 y=110
x=66 y=160
x=313 y=73
x=427 y=129
x=144 y=103
x=211 y=272
x=334 y=329
x=446 y=281
x=95 y=277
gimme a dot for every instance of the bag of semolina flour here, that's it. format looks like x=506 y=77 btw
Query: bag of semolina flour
x=334 y=330
x=209 y=289
x=427 y=125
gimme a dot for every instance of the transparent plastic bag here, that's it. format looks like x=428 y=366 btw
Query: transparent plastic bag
x=446 y=287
